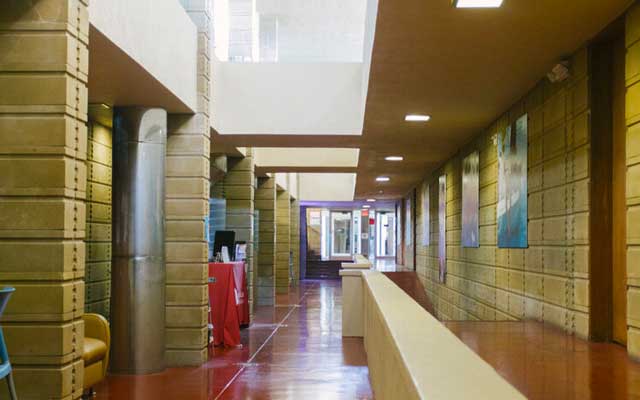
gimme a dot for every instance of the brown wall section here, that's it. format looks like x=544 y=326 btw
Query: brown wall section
x=549 y=280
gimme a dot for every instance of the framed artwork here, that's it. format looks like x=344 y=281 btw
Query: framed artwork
x=512 y=186
x=442 y=227
x=470 y=200
x=426 y=220
x=408 y=221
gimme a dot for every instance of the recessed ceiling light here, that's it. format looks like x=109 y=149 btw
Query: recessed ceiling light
x=366 y=206
x=417 y=118
x=383 y=179
x=394 y=158
x=477 y=3
x=371 y=200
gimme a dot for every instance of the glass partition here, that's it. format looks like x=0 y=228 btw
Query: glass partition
x=386 y=238
x=341 y=240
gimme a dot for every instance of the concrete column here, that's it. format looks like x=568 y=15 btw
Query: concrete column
x=43 y=145
x=239 y=190
x=283 y=240
x=295 y=240
x=265 y=203
x=98 y=240
x=187 y=206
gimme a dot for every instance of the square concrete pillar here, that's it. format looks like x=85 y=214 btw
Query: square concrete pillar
x=283 y=241
x=186 y=208
x=295 y=240
x=265 y=203
x=43 y=188
x=238 y=188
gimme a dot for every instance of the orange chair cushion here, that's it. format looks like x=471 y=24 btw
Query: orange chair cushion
x=94 y=350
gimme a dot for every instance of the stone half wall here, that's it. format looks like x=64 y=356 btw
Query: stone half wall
x=549 y=280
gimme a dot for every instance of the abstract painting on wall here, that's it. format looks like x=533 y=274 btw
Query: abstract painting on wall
x=442 y=227
x=470 y=199
x=512 y=186
x=426 y=220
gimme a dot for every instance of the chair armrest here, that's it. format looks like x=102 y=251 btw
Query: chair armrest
x=97 y=327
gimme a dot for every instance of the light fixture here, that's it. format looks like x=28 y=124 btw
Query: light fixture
x=394 y=158
x=366 y=206
x=371 y=200
x=383 y=179
x=477 y=3
x=417 y=118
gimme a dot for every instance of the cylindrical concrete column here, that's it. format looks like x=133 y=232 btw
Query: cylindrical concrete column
x=138 y=272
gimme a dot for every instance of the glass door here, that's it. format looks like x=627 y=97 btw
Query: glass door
x=386 y=238
x=341 y=240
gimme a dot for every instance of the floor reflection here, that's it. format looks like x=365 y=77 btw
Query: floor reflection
x=544 y=362
x=292 y=351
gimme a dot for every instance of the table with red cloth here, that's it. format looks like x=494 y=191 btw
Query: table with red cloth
x=229 y=301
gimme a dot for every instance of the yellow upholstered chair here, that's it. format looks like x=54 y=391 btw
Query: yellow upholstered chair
x=97 y=342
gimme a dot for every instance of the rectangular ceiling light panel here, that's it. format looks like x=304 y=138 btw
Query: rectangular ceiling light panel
x=477 y=3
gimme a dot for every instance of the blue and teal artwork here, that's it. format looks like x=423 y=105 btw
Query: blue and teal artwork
x=512 y=186
x=470 y=200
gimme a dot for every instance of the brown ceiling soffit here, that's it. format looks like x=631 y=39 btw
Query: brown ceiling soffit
x=251 y=140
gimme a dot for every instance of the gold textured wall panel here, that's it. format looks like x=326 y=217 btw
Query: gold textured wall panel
x=98 y=228
x=633 y=178
x=43 y=187
x=549 y=280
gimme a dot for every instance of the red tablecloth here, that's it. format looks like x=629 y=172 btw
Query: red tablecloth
x=228 y=301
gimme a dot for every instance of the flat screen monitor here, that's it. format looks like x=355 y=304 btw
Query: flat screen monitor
x=224 y=238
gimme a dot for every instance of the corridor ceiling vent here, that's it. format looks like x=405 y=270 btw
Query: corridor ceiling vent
x=417 y=118
x=477 y=3
x=383 y=179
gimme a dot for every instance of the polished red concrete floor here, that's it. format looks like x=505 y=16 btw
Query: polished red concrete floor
x=295 y=351
x=545 y=363
x=292 y=351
